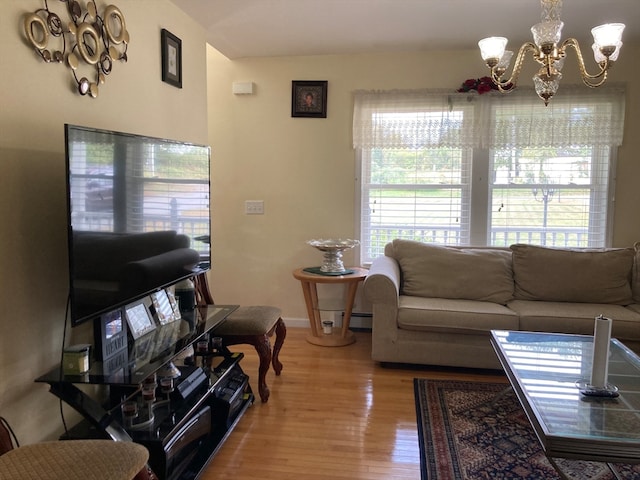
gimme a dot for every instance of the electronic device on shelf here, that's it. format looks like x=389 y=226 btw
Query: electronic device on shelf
x=227 y=398
x=169 y=457
x=138 y=215
x=191 y=379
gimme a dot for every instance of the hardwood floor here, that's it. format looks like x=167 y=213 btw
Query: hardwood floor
x=333 y=413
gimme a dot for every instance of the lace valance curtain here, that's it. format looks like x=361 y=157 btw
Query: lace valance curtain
x=408 y=119
x=412 y=119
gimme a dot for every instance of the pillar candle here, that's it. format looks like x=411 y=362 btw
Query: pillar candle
x=601 y=340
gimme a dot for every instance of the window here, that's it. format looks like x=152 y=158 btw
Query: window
x=486 y=170
x=549 y=196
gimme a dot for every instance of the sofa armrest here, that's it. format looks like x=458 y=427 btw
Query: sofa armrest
x=382 y=285
x=382 y=289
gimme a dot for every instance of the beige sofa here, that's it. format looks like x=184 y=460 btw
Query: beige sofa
x=436 y=305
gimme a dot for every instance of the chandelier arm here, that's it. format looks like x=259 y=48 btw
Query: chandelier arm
x=507 y=85
x=604 y=66
x=590 y=84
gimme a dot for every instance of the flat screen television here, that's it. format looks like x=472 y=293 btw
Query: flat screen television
x=138 y=211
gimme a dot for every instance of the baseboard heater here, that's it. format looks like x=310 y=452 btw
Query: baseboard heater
x=360 y=321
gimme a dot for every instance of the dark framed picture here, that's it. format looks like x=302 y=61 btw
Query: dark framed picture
x=110 y=334
x=171 y=58
x=309 y=98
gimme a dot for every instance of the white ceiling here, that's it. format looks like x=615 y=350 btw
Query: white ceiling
x=249 y=28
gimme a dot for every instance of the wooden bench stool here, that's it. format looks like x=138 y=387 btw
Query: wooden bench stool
x=253 y=325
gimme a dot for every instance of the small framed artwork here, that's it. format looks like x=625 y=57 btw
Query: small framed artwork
x=110 y=334
x=162 y=309
x=139 y=319
x=171 y=58
x=174 y=304
x=309 y=98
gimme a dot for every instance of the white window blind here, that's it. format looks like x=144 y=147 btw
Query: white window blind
x=416 y=163
x=539 y=174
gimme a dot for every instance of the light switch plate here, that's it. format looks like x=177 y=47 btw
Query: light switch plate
x=254 y=207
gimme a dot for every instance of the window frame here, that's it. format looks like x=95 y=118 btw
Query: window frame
x=481 y=187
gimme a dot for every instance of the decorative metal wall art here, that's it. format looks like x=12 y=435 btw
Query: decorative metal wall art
x=88 y=40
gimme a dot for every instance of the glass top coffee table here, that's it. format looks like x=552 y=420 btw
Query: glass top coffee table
x=543 y=369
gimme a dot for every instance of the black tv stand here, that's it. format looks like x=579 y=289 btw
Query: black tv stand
x=183 y=429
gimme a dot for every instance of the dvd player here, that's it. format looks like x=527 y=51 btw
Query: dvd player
x=191 y=379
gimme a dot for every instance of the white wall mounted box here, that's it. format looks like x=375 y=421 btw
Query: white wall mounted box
x=242 y=88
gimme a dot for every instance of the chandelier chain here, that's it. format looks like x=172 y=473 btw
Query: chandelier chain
x=551 y=10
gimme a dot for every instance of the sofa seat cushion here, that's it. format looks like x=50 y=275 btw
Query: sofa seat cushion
x=456 y=273
x=566 y=275
x=460 y=316
x=635 y=307
x=563 y=317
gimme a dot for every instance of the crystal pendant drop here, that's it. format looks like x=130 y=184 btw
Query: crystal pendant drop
x=546 y=86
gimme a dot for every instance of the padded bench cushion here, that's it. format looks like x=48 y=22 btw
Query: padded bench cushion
x=74 y=460
x=564 y=317
x=460 y=316
x=253 y=320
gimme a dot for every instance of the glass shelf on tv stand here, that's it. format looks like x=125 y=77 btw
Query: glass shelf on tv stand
x=170 y=417
x=166 y=414
x=146 y=359
x=150 y=353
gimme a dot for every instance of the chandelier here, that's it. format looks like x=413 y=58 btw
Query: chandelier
x=550 y=53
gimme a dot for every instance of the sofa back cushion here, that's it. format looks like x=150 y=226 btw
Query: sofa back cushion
x=451 y=272
x=572 y=275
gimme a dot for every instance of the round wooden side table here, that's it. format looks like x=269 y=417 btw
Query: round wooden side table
x=309 y=281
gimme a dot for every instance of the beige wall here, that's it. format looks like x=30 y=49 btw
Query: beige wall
x=304 y=169
x=36 y=100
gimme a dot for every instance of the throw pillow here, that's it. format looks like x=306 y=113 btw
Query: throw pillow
x=572 y=275
x=456 y=273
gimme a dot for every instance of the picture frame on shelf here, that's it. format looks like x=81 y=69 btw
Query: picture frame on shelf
x=171 y=47
x=174 y=304
x=309 y=98
x=139 y=318
x=110 y=334
x=162 y=308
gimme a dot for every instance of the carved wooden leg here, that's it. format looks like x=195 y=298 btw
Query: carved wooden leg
x=263 y=347
x=202 y=292
x=281 y=333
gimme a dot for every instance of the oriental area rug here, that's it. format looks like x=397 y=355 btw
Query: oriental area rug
x=477 y=430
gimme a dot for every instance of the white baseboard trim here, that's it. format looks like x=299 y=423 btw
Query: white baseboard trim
x=296 y=322
x=356 y=321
